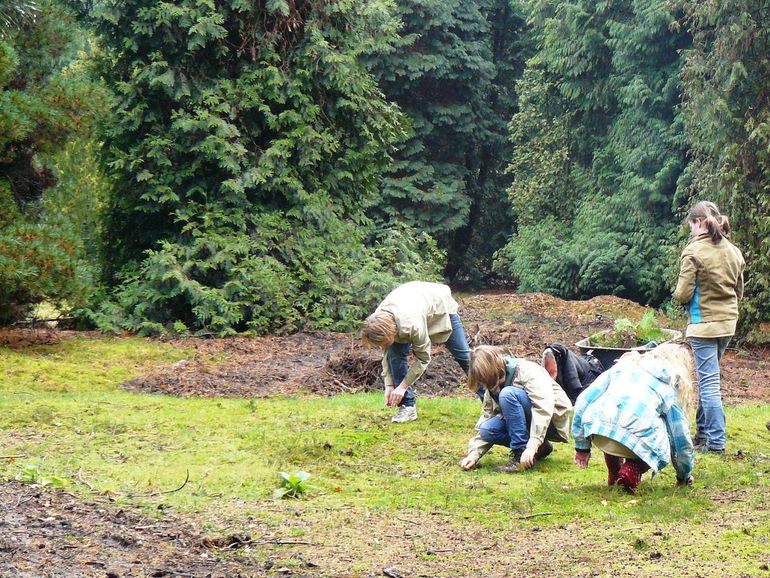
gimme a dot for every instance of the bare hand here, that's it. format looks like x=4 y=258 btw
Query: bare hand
x=388 y=391
x=527 y=459
x=396 y=395
x=581 y=459
x=467 y=463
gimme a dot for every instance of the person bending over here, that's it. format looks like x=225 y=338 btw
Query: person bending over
x=571 y=371
x=412 y=317
x=636 y=414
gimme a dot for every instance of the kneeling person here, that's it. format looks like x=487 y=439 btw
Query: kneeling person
x=523 y=409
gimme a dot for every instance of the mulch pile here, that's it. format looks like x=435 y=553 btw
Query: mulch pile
x=326 y=363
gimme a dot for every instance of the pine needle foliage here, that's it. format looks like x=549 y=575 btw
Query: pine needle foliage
x=248 y=144
x=42 y=105
x=727 y=114
x=599 y=150
x=452 y=71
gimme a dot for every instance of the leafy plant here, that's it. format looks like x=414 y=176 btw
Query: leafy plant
x=292 y=485
x=629 y=334
x=31 y=474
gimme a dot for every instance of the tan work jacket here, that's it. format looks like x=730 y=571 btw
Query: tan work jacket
x=421 y=310
x=550 y=405
x=710 y=284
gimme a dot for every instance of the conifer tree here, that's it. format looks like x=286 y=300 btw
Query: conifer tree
x=727 y=112
x=41 y=106
x=452 y=71
x=599 y=150
x=248 y=143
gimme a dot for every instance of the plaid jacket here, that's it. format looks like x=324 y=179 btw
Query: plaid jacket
x=635 y=404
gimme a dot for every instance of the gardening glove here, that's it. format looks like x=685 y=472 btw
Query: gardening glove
x=582 y=458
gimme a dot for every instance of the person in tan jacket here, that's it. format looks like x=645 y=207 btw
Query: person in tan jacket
x=710 y=284
x=413 y=316
x=524 y=409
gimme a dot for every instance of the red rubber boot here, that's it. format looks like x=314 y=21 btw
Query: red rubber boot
x=630 y=474
x=614 y=464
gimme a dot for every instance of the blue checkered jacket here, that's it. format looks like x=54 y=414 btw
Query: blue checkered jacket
x=634 y=404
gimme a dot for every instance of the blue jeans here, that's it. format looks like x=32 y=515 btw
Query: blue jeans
x=710 y=417
x=457 y=345
x=511 y=429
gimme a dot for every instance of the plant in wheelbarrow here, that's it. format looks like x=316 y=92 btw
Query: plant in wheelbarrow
x=293 y=485
x=607 y=346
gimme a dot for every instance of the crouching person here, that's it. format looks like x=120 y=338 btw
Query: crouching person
x=636 y=413
x=524 y=409
x=574 y=373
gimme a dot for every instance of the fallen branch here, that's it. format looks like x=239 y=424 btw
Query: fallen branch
x=14 y=457
x=79 y=478
x=153 y=494
x=241 y=544
x=534 y=515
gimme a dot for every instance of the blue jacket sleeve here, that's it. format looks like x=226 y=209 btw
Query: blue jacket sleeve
x=589 y=395
x=681 y=443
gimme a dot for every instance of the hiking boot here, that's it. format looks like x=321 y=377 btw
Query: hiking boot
x=703 y=448
x=405 y=414
x=545 y=450
x=514 y=463
x=614 y=463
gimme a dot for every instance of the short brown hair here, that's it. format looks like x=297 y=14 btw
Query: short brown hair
x=379 y=329
x=487 y=367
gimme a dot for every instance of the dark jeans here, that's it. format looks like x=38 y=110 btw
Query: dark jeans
x=457 y=345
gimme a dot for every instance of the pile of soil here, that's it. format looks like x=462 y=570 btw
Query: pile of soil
x=60 y=532
x=327 y=363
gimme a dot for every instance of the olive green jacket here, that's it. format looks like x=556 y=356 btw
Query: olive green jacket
x=710 y=284
x=550 y=406
x=421 y=310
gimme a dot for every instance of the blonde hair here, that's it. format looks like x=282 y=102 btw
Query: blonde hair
x=678 y=359
x=487 y=367
x=379 y=330
x=718 y=225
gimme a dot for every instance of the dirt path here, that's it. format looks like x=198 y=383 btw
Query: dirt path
x=329 y=363
x=56 y=534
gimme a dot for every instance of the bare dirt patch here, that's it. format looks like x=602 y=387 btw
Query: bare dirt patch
x=329 y=363
x=56 y=534
x=51 y=533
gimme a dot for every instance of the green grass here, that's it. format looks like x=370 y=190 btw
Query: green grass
x=61 y=406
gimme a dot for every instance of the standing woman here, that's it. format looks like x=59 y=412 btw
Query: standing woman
x=710 y=284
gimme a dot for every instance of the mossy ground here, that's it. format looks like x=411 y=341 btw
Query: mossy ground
x=63 y=411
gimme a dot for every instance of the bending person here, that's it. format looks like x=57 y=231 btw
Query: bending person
x=523 y=409
x=636 y=413
x=710 y=284
x=572 y=372
x=412 y=317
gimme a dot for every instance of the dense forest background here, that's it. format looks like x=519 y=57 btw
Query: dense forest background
x=212 y=167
